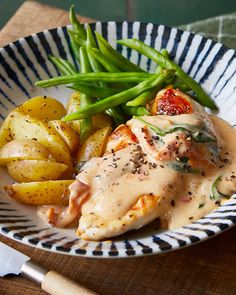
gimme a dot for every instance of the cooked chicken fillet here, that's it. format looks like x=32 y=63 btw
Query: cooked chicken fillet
x=153 y=167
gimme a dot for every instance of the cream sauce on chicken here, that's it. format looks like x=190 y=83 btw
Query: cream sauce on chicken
x=193 y=201
x=176 y=170
x=119 y=179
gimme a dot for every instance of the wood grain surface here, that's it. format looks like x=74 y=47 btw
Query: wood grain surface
x=33 y=17
x=206 y=268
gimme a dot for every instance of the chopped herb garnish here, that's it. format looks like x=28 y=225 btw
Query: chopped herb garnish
x=215 y=193
x=157 y=130
x=184 y=159
x=201 y=205
x=197 y=133
x=172 y=203
x=184 y=168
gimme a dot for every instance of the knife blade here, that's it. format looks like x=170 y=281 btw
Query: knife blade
x=15 y=262
x=11 y=261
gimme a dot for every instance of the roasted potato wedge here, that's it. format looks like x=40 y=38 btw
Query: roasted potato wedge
x=43 y=108
x=72 y=106
x=67 y=133
x=52 y=192
x=25 y=149
x=5 y=132
x=101 y=121
x=25 y=127
x=73 y=103
x=94 y=145
x=35 y=170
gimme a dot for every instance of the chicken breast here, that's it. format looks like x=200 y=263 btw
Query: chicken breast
x=151 y=164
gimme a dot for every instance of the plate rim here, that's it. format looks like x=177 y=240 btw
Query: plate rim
x=139 y=252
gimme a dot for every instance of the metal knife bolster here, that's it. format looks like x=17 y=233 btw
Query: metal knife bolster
x=33 y=272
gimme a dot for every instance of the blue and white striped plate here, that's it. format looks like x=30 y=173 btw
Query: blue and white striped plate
x=25 y=61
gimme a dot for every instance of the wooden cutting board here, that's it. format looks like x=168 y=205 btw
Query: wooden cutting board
x=33 y=17
x=206 y=268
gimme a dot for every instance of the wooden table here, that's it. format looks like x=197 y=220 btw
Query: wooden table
x=206 y=268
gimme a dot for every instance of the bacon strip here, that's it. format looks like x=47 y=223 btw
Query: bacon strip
x=63 y=217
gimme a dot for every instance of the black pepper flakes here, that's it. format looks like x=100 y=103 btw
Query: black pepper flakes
x=172 y=203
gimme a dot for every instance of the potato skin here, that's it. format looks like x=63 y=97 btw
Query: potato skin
x=99 y=121
x=94 y=145
x=25 y=149
x=5 y=132
x=25 y=127
x=72 y=106
x=52 y=192
x=67 y=133
x=43 y=108
x=35 y=170
x=40 y=108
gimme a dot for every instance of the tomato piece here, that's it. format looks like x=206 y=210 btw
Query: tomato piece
x=172 y=103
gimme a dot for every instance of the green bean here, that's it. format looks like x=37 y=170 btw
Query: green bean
x=159 y=68
x=97 y=67
x=143 y=98
x=120 y=98
x=115 y=114
x=77 y=27
x=90 y=42
x=94 y=90
x=116 y=58
x=153 y=54
x=85 y=100
x=146 y=97
x=165 y=53
x=181 y=86
x=91 y=77
x=85 y=67
x=96 y=54
x=103 y=61
x=74 y=44
x=65 y=67
x=136 y=111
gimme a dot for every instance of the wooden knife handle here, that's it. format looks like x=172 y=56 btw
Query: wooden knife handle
x=56 y=284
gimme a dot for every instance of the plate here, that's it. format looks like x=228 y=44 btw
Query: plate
x=25 y=61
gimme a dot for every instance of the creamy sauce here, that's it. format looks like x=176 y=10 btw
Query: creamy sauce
x=118 y=180
x=116 y=183
x=167 y=176
x=189 y=207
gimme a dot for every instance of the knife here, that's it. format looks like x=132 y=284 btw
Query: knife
x=15 y=262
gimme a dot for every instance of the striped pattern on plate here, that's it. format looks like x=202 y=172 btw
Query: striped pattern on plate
x=25 y=61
